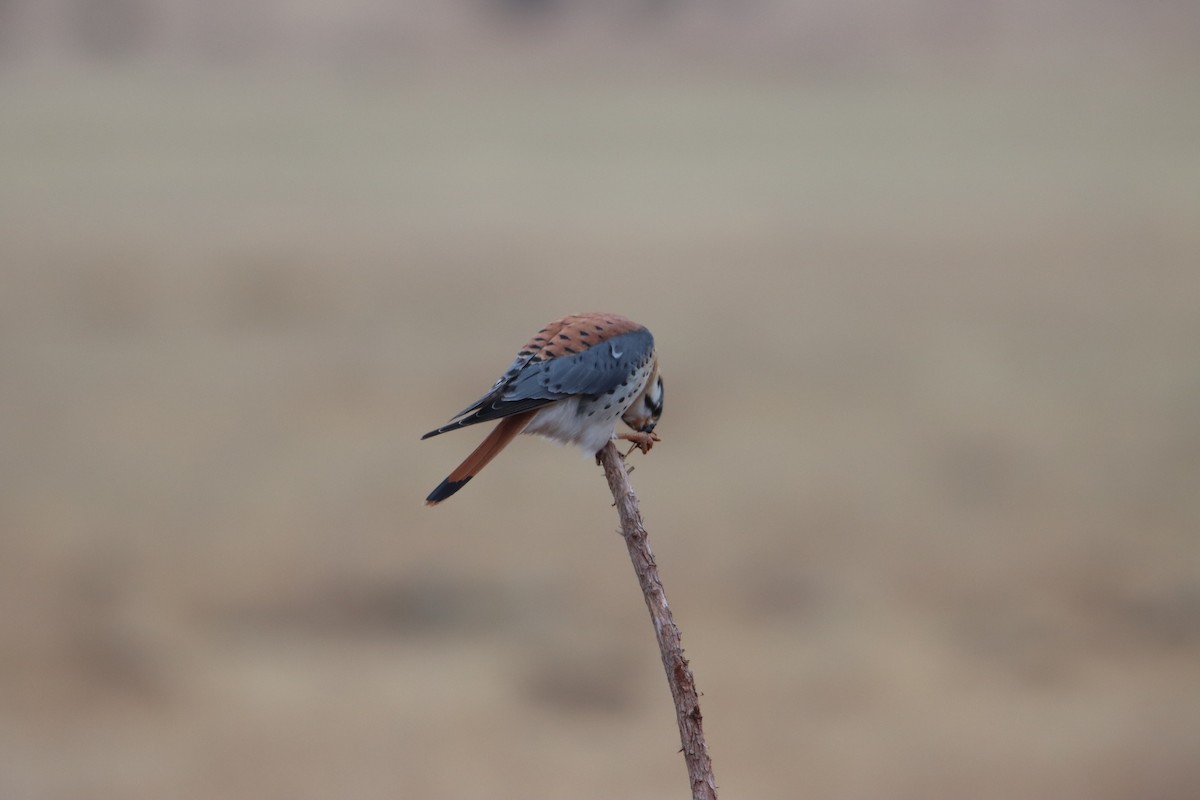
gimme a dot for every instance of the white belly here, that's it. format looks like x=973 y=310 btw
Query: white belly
x=587 y=422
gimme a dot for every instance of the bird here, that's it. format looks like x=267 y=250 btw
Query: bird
x=570 y=383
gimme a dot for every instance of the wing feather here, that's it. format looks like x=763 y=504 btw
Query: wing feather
x=594 y=371
x=531 y=383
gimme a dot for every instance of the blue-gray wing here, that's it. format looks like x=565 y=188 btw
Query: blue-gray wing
x=531 y=383
x=599 y=369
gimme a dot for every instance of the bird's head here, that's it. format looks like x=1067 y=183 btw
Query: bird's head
x=647 y=408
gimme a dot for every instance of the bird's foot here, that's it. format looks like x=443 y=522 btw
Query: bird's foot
x=641 y=441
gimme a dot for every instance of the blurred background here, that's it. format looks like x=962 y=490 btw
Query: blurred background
x=925 y=281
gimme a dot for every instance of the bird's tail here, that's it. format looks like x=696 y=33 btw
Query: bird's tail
x=488 y=449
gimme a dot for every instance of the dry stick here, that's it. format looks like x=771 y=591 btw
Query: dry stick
x=679 y=676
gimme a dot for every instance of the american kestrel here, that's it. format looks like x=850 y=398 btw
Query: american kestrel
x=570 y=383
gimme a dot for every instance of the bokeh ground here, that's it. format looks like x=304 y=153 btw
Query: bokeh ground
x=926 y=503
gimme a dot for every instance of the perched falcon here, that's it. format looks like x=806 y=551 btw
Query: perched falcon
x=570 y=383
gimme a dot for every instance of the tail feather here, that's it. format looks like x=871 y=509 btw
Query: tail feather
x=488 y=449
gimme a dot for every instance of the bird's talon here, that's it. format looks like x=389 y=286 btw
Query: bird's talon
x=641 y=440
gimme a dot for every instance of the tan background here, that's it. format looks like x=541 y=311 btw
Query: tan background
x=926 y=287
